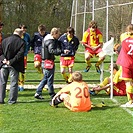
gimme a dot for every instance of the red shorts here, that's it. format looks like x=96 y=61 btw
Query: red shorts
x=97 y=51
x=126 y=73
x=37 y=57
x=67 y=61
x=121 y=87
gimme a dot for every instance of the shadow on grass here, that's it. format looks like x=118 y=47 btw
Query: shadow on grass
x=34 y=101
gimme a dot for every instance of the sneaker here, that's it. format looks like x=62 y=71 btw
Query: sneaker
x=21 y=88
x=87 y=69
x=98 y=69
x=38 y=96
x=128 y=105
x=92 y=92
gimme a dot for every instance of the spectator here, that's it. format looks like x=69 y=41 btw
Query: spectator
x=93 y=41
x=79 y=97
x=13 y=59
x=1 y=36
x=69 y=44
x=50 y=48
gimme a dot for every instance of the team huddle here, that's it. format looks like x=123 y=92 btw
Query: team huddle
x=76 y=94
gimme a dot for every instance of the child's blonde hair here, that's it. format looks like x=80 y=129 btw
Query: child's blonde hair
x=77 y=76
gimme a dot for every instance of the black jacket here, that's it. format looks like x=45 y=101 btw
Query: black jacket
x=50 y=48
x=13 y=50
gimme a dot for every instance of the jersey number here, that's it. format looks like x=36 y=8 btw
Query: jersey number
x=130 y=52
x=79 y=92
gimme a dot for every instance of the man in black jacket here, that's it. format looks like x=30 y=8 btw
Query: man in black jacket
x=13 y=62
x=50 y=48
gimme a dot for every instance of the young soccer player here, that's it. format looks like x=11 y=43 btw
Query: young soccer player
x=93 y=41
x=36 y=46
x=26 y=38
x=69 y=44
x=75 y=95
x=125 y=60
x=119 y=87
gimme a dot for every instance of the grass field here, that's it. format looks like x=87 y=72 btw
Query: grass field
x=36 y=116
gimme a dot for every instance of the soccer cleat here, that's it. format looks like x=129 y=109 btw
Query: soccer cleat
x=87 y=69
x=38 y=96
x=100 y=105
x=21 y=88
x=128 y=105
x=92 y=92
x=98 y=69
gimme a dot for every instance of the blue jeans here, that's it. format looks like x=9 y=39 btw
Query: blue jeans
x=5 y=72
x=49 y=80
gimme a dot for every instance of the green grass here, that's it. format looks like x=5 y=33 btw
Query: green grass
x=36 y=116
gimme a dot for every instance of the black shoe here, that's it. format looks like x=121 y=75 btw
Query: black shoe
x=87 y=69
x=38 y=96
x=92 y=92
x=50 y=103
x=98 y=69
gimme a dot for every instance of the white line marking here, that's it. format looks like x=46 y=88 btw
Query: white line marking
x=127 y=110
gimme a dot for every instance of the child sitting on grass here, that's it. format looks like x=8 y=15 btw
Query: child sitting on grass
x=119 y=87
x=79 y=97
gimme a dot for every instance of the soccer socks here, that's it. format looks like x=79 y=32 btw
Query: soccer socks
x=70 y=78
x=57 y=100
x=129 y=91
x=99 y=62
x=105 y=82
x=88 y=62
x=64 y=75
x=39 y=69
x=21 y=79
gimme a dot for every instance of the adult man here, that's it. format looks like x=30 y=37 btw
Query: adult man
x=13 y=63
x=93 y=41
x=125 y=60
x=1 y=38
x=69 y=46
x=50 y=48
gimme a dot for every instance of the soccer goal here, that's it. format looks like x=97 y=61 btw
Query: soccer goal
x=112 y=18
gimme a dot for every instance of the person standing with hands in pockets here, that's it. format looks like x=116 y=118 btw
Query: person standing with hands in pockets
x=13 y=62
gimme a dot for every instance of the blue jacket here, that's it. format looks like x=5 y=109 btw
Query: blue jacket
x=26 y=38
x=72 y=45
x=36 y=42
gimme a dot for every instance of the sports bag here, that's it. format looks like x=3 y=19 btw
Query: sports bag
x=48 y=64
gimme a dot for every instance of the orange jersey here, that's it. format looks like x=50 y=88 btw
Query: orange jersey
x=79 y=96
x=92 y=38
